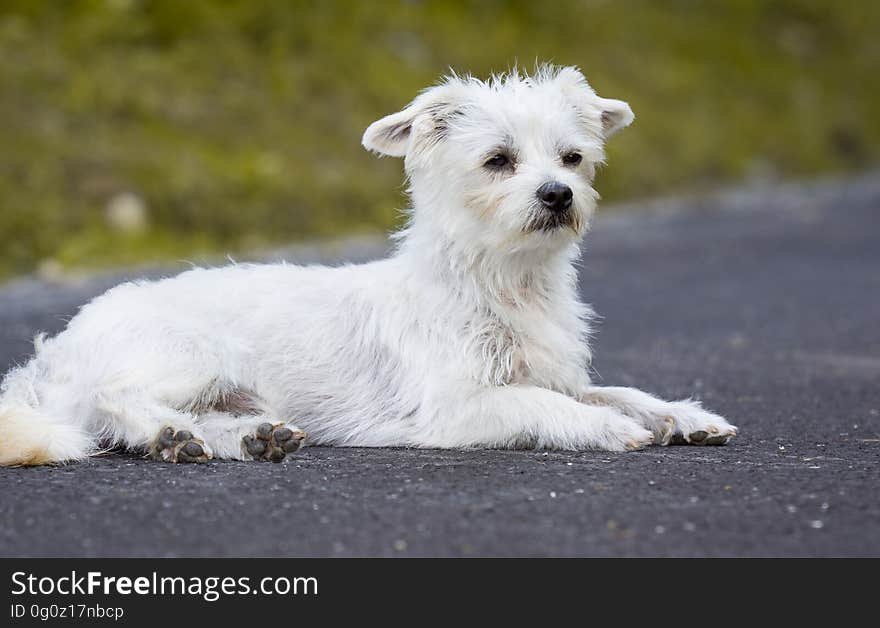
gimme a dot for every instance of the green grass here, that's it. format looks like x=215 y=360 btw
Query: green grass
x=239 y=122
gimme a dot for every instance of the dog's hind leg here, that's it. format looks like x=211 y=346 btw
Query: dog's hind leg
x=249 y=437
x=140 y=423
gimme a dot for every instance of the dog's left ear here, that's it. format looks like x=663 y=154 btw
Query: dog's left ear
x=616 y=115
x=613 y=114
x=420 y=122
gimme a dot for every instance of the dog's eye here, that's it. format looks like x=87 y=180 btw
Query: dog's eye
x=571 y=159
x=498 y=161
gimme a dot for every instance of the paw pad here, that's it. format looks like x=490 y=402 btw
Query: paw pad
x=273 y=442
x=179 y=446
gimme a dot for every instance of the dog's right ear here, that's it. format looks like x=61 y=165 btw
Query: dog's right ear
x=421 y=123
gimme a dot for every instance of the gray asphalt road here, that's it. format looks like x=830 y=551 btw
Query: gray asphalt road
x=766 y=304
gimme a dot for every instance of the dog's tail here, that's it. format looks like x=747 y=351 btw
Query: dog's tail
x=30 y=436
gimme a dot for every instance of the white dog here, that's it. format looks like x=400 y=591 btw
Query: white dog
x=470 y=335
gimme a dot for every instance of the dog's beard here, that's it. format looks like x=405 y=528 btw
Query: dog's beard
x=546 y=221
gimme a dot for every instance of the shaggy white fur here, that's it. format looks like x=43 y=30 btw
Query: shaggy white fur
x=470 y=335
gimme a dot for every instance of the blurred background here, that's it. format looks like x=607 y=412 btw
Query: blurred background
x=137 y=131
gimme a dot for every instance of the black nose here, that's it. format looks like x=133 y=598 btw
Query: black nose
x=555 y=196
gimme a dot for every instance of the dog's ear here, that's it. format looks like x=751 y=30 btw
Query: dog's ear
x=423 y=120
x=613 y=114
x=616 y=114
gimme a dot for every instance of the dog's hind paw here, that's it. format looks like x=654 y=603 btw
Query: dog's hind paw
x=273 y=442
x=179 y=446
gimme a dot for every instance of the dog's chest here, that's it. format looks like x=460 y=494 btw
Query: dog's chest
x=526 y=348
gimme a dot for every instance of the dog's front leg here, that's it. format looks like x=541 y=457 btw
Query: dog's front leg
x=528 y=416
x=672 y=422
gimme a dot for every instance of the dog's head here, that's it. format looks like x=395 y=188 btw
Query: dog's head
x=509 y=161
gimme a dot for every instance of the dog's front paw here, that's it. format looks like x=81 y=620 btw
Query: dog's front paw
x=624 y=434
x=179 y=446
x=273 y=442
x=692 y=425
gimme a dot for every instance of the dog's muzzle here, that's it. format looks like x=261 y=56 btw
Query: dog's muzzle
x=555 y=210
